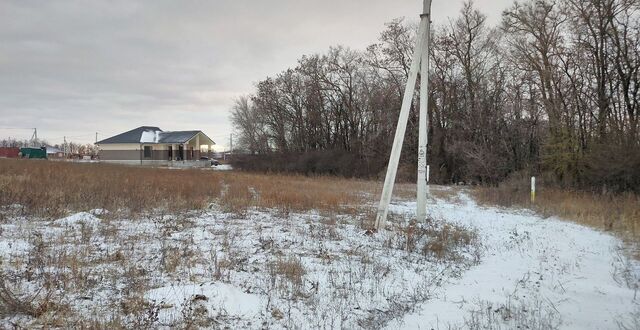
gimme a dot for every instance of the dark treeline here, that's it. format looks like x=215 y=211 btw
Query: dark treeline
x=553 y=90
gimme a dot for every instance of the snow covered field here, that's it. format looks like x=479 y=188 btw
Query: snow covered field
x=470 y=267
x=535 y=274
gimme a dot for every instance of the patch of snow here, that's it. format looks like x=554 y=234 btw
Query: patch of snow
x=13 y=247
x=223 y=167
x=219 y=297
x=99 y=212
x=149 y=137
x=77 y=219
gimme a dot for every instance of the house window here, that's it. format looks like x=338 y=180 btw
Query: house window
x=147 y=152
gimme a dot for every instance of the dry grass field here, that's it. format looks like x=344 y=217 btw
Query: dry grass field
x=53 y=189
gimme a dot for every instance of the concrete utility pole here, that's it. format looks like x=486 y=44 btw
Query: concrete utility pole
x=34 y=137
x=420 y=62
x=423 y=137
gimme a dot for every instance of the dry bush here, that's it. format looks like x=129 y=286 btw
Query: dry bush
x=435 y=239
x=287 y=274
x=51 y=189
x=619 y=213
x=446 y=241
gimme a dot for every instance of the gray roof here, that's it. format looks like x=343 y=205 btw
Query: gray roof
x=143 y=133
x=53 y=150
x=132 y=136
x=176 y=137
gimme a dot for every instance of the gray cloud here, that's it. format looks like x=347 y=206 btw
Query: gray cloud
x=76 y=67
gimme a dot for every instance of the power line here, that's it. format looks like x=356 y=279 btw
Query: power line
x=72 y=137
x=18 y=128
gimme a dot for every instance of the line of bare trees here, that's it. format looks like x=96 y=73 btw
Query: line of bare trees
x=71 y=147
x=553 y=89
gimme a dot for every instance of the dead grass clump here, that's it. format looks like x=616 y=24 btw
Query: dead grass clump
x=291 y=273
x=446 y=241
x=142 y=313
x=195 y=314
x=436 y=239
x=171 y=258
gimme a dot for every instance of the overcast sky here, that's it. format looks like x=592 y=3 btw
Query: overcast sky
x=73 y=68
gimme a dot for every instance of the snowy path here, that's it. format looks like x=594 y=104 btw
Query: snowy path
x=568 y=274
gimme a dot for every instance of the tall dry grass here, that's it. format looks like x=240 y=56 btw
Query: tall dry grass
x=52 y=189
x=617 y=213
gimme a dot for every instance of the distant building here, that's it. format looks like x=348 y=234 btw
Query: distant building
x=53 y=152
x=9 y=152
x=151 y=145
x=34 y=153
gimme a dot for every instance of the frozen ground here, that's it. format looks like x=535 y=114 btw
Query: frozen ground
x=470 y=267
x=535 y=274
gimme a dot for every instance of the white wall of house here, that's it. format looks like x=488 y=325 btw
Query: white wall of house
x=122 y=146
x=156 y=146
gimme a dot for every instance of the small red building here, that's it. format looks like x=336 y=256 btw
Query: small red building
x=9 y=152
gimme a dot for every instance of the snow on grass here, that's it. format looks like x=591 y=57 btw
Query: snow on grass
x=14 y=247
x=470 y=267
x=220 y=297
x=78 y=219
x=259 y=269
x=538 y=273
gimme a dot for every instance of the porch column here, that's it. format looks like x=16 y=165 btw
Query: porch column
x=197 y=151
x=184 y=152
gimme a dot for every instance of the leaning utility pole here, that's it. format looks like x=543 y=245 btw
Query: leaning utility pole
x=420 y=62
x=34 y=137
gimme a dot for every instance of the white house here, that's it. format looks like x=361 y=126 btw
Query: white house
x=151 y=145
